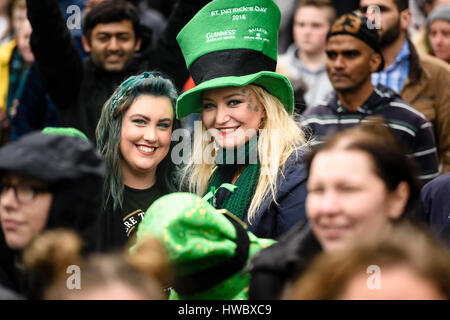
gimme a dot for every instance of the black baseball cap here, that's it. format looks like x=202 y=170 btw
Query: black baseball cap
x=359 y=27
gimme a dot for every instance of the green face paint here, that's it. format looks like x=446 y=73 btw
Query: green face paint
x=249 y=107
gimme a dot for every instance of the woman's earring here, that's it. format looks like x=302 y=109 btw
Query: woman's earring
x=261 y=124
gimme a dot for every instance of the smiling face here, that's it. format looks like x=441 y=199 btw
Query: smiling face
x=145 y=136
x=22 y=221
x=439 y=35
x=232 y=115
x=112 y=45
x=346 y=199
x=350 y=62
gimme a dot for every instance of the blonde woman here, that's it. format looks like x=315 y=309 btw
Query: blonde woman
x=248 y=131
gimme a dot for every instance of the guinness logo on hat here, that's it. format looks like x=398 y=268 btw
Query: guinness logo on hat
x=233 y=43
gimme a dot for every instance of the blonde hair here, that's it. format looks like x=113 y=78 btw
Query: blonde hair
x=280 y=136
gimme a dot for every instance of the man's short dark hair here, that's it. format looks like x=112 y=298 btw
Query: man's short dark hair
x=109 y=11
x=401 y=5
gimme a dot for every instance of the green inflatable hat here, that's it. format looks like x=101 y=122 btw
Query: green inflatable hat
x=232 y=43
x=207 y=248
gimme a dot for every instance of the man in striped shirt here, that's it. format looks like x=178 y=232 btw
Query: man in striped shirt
x=353 y=54
x=421 y=80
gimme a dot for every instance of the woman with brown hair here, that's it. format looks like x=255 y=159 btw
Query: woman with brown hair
x=406 y=264
x=360 y=183
x=48 y=180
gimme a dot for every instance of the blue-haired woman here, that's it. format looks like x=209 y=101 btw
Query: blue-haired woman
x=134 y=136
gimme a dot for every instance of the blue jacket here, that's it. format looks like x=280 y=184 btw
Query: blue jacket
x=436 y=207
x=35 y=110
x=272 y=220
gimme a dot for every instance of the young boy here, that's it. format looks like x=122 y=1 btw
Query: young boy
x=305 y=58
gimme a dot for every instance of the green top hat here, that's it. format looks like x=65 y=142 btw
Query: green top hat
x=207 y=248
x=232 y=43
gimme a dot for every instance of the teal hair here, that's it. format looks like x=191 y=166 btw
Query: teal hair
x=109 y=129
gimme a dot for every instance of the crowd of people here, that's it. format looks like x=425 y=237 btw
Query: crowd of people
x=306 y=164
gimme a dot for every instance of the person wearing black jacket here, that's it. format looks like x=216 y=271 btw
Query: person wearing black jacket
x=276 y=266
x=47 y=181
x=134 y=137
x=118 y=48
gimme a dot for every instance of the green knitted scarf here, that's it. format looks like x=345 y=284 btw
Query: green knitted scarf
x=238 y=201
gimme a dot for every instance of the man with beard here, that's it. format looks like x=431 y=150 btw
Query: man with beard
x=353 y=54
x=118 y=47
x=422 y=81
